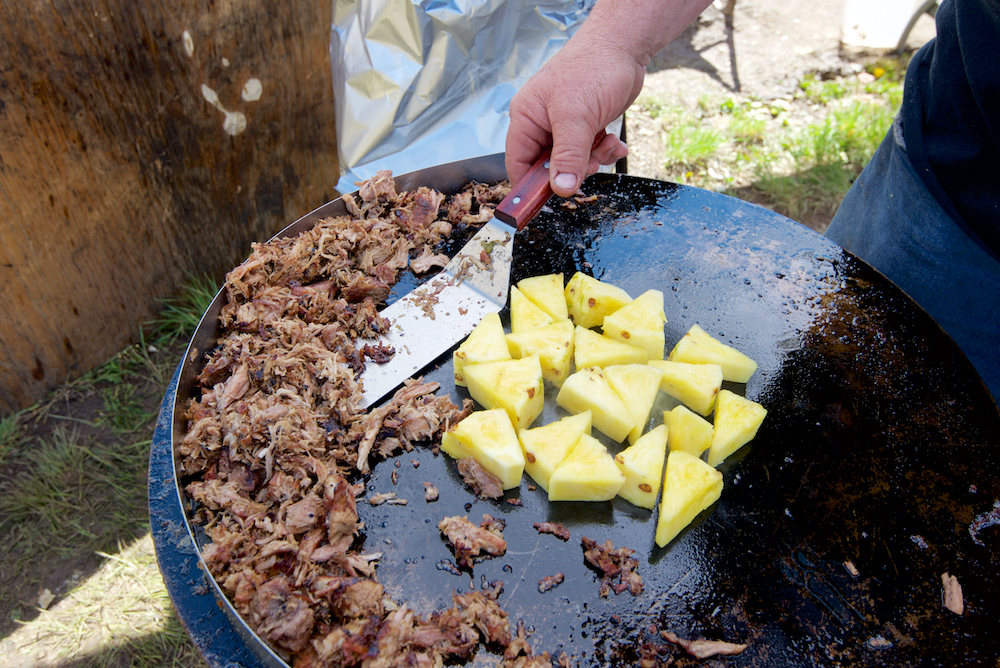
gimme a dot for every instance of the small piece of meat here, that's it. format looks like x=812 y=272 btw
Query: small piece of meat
x=469 y=541
x=304 y=515
x=379 y=499
x=485 y=614
x=554 y=528
x=430 y=492
x=342 y=513
x=613 y=563
x=550 y=581
x=281 y=617
x=983 y=521
x=702 y=649
x=483 y=483
x=379 y=353
x=427 y=260
x=364 y=287
x=952 y=597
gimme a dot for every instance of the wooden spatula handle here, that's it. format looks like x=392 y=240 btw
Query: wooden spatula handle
x=531 y=193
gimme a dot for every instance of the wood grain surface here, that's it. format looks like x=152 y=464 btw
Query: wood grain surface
x=140 y=142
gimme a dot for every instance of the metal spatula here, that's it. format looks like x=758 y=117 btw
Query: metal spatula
x=444 y=310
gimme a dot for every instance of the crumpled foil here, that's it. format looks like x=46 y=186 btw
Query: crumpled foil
x=421 y=83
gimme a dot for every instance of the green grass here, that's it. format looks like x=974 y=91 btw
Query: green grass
x=180 y=315
x=762 y=150
x=70 y=486
x=824 y=160
x=688 y=143
x=10 y=435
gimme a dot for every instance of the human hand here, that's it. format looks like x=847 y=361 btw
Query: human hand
x=589 y=83
x=583 y=88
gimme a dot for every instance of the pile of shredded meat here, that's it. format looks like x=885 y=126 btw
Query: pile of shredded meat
x=277 y=441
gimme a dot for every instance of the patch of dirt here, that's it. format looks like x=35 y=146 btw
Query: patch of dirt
x=762 y=52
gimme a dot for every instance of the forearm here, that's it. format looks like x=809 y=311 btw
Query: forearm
x=638 y=27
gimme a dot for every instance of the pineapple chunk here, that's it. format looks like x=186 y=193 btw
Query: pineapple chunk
x=489 y=437
x=588 y=389
x=637 y=385
x=696 y=385
x=486 y=343
x=514 y=385
x=524 y=315
x=589 y=299
x=546 y=447
x=642 y=465
x=546 y=292
x=640 y=324
x=698 y=347
x=554 y=346
x=687 y=431
x=736 y=423
x=592 y=349
x=689 y=487
x=589 y=473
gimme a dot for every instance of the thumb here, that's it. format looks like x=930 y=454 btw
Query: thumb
x=572 y=141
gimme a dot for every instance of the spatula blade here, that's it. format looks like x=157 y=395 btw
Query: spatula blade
x=441 y=312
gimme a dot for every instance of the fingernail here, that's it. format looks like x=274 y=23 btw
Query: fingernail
x=566 y=181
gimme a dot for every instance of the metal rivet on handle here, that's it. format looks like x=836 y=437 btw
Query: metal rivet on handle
x=546 y=165
x=517 y=200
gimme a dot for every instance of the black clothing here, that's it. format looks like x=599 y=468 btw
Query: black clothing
x=951 y=116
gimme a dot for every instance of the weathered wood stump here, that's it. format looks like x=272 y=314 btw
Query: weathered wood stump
x=139 y=142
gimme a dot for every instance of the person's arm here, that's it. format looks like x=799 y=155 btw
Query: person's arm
x=589 y=83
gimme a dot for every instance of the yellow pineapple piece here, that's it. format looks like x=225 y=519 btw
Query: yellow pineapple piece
x=689 y=487
x=695 y=385
x=736 y=423
x=687 y=431
x=637 y=385
x=524 y=315
x=486 y=343
x=589 y=299
x=588 y=473
x=642 y=466
x=488 y=437
x=547 y=446
x=554 y=346
x=588 y=389
x=640 y=324
x=546 y=292
x=514 y=385
x=593 y=349
x=698 y=347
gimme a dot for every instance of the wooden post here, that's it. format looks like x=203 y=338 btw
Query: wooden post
x=140 y=141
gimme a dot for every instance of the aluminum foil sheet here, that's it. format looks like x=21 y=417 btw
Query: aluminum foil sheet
x=420 y=83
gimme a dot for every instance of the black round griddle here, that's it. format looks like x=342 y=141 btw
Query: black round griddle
x=879 y=449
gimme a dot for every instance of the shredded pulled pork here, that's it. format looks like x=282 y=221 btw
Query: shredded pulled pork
x=482 y=483
x=469 y=541
x=613 y=563
x=277 y=439
x=555 y=528
x=550 y=582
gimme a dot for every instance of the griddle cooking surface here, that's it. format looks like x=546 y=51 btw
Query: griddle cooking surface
x=879 y=449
